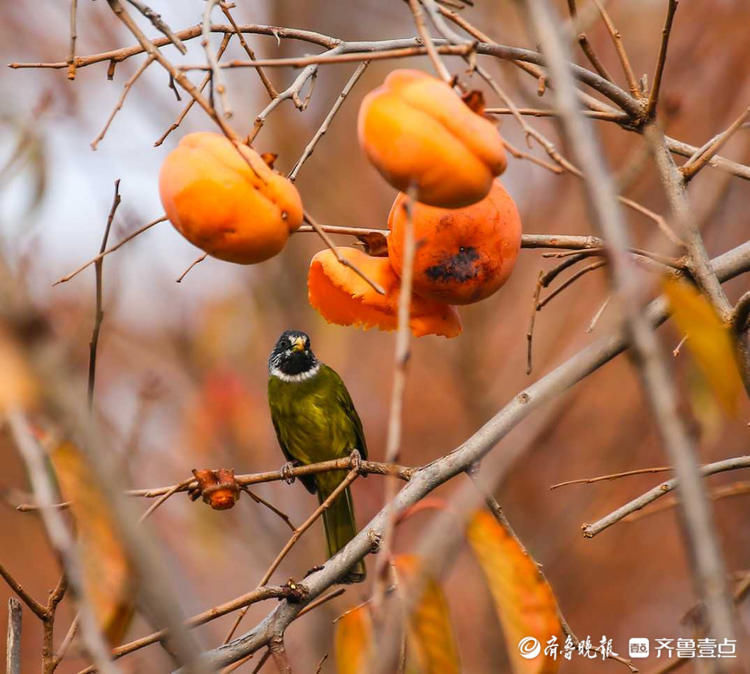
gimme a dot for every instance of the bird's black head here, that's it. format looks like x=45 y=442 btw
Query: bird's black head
x=292 y=356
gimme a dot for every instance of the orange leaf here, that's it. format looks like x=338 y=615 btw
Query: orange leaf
x=430 y=638
x=106 y=571
x=17 y=387
x=353 y=641
x=709 y=341
x=524 y=601
x=342 y=296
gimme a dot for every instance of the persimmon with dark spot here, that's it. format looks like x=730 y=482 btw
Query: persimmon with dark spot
x=227 y=200
x=418 y=133
x=463 y=255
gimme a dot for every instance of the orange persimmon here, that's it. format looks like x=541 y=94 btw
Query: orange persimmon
x=232 y=205
x=418 y=132
x=462 y=254
x=343 y=297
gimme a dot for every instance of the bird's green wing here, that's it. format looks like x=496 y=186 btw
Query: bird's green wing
x=344 y=400
x=307 y=480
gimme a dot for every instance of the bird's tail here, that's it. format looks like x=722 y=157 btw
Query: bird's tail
x=339 y=523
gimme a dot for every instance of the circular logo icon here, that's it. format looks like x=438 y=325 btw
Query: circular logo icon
x=529 y=647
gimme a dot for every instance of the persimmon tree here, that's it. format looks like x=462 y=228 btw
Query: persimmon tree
x=452 y=238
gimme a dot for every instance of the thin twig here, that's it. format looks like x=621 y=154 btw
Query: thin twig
x=257 y=595
x=365 y=467
x=570 y=281
x=118 y=106
x=327 y=121
x=13 y=640
x=598 y=314
x=217 y=76
x=586 y=47
x=159 y=24
x=691 y=167
x=322 y=600
x=272 y=93
x=195 y=262
x=350 y=477
x=156 y=504
x=613 y=476
x=73 y=37
x=726 y=491
x=542 y=112
x=101 y=255
x=339 y=257
x=661 y=60
x=591 y=530
x=292 y=92
x=424 y=34
x=67 y=641
x=219 y=53
x=38 y=609
x=99 y=312
x=620 y=49
x=396 y=412
x=532 y=323
x=270 y=506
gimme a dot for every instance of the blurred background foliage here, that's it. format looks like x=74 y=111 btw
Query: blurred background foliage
x=182 y=367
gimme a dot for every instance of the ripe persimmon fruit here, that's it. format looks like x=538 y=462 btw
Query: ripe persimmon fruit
x=231 y=205
x=419 y=133
x=462 y=254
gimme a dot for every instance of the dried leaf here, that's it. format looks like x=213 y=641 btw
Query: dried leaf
x=474 y=99
x=374 y=244
x=269 y=158
x=353 y=641
x=430 y=638
x=709 y=341
x=524 y=601
x=106 y=570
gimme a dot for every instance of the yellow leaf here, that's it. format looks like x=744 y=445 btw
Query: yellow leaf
x=106 y=571
x=524 y=601
x=709 y=341
x=352 y=641
x=17 y=386
x=430 y=636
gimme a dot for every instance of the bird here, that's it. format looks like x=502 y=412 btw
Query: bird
x=315 y=420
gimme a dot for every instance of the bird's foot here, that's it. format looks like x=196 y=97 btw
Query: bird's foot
x=287 y=473
x=355 y=460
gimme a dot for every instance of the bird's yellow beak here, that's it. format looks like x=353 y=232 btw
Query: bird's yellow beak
x=298 y=344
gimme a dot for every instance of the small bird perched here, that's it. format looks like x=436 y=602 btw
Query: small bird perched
x=315 y=420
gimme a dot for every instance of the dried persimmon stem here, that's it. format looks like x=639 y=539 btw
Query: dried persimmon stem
x=340 y=258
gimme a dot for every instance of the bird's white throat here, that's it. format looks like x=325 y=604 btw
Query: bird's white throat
x=296 y=378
